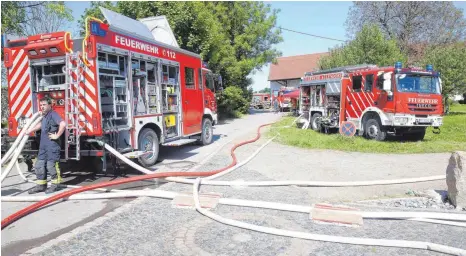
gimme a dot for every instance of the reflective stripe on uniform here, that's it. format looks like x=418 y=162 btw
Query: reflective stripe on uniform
x=41 y=182
x=58 y=179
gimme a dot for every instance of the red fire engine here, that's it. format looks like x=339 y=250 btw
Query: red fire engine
x=115 y=85
x=377 y=100
x=260 y=100
x=285 y=97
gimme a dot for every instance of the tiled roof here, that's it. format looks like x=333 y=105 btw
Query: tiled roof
x=294 y=67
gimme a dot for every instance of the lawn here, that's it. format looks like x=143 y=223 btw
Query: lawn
x=458 y=108
x=451 y=138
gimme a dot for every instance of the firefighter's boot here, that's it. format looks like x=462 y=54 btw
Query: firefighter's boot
x=53 y=188
x=38 y=189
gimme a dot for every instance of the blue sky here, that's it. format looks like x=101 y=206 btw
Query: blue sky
x=319 y=18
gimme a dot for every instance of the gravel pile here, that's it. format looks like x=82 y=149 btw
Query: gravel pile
x=421 y=202
x=429 y=199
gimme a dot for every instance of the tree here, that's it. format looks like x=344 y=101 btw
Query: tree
x=368 y=47
x=450 y=62
x=249 y=29
x=414 y=25
x=265 y=90
x=24 y=18
x=232 y=102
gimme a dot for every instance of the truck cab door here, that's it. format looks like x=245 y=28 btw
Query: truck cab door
x=193 y=107
x=384 y=97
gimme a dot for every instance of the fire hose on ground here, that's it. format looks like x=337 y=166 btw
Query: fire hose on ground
x=325 y=238
x=10 y=219
x=68 y=194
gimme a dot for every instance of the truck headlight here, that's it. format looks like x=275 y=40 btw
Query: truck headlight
x=401 y=120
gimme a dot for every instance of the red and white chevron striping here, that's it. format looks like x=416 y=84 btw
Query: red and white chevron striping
x=19 y=86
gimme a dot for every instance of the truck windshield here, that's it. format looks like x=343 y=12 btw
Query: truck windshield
x=417 y=83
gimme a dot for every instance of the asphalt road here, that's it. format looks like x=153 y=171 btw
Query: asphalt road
x=53 y=221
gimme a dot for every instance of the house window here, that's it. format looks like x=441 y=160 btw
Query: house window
x=189 y=78
x=357 y=83
x=369 y=83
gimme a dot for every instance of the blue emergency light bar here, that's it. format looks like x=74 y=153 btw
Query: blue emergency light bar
x=398 y=65
x=429 y=67
x=97 y=30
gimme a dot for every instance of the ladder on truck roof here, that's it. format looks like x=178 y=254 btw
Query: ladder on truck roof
x=341 y=69
x=74 y=76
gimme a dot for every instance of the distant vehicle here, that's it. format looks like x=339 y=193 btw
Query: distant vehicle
x=285 y=97
x=261 y=101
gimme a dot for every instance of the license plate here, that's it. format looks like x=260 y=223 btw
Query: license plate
x=424 y=120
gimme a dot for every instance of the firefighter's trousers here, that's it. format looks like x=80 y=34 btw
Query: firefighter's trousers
x=47 y=166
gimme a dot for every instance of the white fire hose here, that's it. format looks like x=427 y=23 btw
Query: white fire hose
x=457 y=217
x=325 y=238
x=23 y=138
x=7 y=155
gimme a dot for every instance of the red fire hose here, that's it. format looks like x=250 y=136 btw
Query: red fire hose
x=23 y=212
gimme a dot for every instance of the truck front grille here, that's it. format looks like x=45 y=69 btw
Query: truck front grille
x=423 y=107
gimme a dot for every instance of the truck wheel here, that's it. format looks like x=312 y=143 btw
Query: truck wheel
x=207 y=132
x=374 y=130
x=315 y=123
x=148 y=141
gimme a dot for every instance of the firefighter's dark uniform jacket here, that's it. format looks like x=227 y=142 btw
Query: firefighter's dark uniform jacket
x=49 y=150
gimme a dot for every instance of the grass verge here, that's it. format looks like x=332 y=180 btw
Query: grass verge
x=451 y=138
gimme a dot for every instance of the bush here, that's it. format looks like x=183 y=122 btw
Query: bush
x=233 y=102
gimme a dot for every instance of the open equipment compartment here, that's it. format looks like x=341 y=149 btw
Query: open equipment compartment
x=113 y=91
x=171 y=107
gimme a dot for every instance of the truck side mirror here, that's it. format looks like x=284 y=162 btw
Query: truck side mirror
x=387 y=81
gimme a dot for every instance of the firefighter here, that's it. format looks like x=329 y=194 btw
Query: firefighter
x=52 y=127
x=275 y=106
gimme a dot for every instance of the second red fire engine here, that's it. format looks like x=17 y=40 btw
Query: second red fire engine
x=378 y=101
